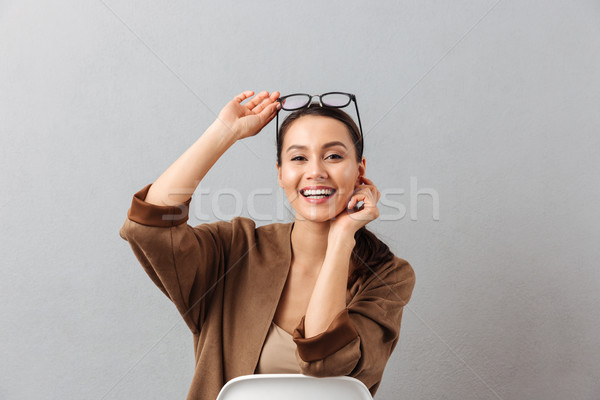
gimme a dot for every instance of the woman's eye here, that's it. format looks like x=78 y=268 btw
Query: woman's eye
x=331 y=156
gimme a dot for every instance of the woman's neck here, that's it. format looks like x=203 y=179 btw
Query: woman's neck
x=309 y=244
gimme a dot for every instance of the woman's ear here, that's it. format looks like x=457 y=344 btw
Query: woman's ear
x=361 y=171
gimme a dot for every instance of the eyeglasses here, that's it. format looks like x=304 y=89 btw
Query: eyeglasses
x=298 y=101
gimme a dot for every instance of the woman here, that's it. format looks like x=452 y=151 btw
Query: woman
x=321 y=296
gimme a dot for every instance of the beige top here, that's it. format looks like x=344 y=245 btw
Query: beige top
x=278 y=355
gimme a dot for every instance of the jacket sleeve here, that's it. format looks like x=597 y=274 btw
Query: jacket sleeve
x=361 y=338
x=184 y=262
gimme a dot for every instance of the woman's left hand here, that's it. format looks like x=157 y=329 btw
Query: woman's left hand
x=350 y=220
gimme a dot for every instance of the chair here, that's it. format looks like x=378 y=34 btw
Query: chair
x=293 y=387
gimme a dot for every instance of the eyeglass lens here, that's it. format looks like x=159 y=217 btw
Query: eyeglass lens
x=335 y=100
x=295 y=102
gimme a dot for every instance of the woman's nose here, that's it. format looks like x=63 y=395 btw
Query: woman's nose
x=316 y=169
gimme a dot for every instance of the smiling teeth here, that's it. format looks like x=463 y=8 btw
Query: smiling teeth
x=317 y=192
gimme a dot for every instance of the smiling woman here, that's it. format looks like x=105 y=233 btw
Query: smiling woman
x=321 y=295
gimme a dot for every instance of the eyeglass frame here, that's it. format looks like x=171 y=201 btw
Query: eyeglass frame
x=351 y=96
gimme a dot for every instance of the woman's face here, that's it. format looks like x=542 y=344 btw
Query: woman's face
x=319 y=171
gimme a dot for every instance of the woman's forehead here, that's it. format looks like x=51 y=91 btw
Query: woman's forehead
x=314 y=131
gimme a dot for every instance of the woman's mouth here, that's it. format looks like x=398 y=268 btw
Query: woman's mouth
x=317 y=195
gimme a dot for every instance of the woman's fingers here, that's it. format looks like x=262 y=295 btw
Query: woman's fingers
x=360 y=194
x=261 y=101
x=265 y=103
x=367 y=212
x=243 y=96
x=367 y=180
x=268 y=109
x=369 y=183
x=365 y=195
x=252 y=103
x=369 y=195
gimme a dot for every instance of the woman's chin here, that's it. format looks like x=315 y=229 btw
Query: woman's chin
x=312 y=218
x=316 y=216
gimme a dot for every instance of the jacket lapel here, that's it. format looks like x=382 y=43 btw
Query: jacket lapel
x=253 y=290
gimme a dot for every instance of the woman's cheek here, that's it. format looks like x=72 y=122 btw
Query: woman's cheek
x=290 y=182
x=349 y=178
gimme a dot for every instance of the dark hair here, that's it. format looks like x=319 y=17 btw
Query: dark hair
x=369 y=252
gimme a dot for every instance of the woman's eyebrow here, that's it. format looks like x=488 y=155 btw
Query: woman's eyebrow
x=325 y=146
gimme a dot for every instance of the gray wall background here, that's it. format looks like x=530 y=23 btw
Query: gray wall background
x=491 y=105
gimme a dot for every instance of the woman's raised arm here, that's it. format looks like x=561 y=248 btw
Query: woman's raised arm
x=186 y=262
x=235 y=121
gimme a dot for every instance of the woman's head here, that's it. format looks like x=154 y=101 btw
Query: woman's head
x=319 y=161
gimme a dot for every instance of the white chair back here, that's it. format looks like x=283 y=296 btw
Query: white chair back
x=293 y=387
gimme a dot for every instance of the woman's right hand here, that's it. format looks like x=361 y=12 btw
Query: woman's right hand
x=248 y=119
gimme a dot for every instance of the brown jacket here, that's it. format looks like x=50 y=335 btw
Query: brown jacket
x=226 y=278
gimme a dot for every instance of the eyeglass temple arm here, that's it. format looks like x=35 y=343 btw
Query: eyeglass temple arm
x=358 y=115
x=277 y=125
